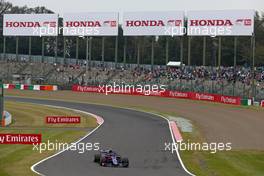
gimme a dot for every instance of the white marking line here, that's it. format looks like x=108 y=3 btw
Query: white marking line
x=177 y=151
x=99 y=119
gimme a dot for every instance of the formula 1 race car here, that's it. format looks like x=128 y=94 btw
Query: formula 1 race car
x=109 y=158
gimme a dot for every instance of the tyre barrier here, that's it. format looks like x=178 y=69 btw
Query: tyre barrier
x=246 y=102
x=262 y=103
x=7 y=119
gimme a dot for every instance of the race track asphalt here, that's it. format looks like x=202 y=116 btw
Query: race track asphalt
x=137 y=135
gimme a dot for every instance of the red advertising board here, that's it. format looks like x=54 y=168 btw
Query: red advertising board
x=202 y=96
x=230 y=100
x=20 y=138
x=177 y=94
x=63 y=119
x=262 y=103
x=167 y=93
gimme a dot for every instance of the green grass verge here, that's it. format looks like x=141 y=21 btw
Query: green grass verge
x=33 y=116
x=17 y=159
x=227 y=163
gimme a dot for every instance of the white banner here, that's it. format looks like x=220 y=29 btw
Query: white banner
x=221 y=23
x=30 y=25
x=153 y=23
x=90 y=24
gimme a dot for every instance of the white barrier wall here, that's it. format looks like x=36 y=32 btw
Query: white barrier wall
x=7 y=118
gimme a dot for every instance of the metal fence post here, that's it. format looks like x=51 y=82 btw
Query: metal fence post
x=29 y=48
x=90 y=52
x=125 y=51
x=4 y=48
x=42 y=49
x=204 y=50
x=64 y=50
x=56 y=49
x=253 y=44
x=1 y=100
x=219 y=51
x=138 y=51
x=116 y=50
x=103 y=49
x=189 y=51
x=167 y=50
x=181 y=50
x=152 y=53
x=77 y=50
x=17 y=40
x=87 y=54
x=235 y=52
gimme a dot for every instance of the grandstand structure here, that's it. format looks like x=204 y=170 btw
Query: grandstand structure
x=235 y=80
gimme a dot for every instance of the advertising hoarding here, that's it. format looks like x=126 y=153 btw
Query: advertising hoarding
x=30 y=25
x=90 y=24
x=168 y=23
x=220 y=23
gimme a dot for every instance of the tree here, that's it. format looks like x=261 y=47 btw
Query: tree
x=4 y=6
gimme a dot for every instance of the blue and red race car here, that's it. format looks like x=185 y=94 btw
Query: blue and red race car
x=109 y=158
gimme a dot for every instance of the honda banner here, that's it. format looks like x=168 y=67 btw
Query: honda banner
x=221 y=23
x=90 y=24
x=153 y=23
x=30 y=25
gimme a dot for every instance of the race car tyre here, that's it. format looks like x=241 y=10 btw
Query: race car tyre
x=102 y=161
x=125 y=162
x=96 y=158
